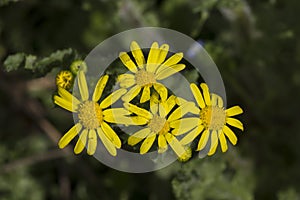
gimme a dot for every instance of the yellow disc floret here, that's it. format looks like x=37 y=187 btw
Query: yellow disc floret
x=90 y=114
x=159 y=125
x=213 y=117
x=144 y=78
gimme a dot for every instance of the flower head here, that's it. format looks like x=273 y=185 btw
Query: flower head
x=159 y=123
x=92 y=116
x=213 y=121
x=64 y=79
x=145 y=74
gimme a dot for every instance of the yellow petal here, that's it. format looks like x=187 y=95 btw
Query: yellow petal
x=154 y=98
x=206 y=93
x=161 y=90
x=170 y=103
x=181 y=111
x=162 y=110
x=168 y=71
x=153 y=107
x=213 y=143
x=137 y=120
x=230 y=134
x=162 y=144
x=175 y=144
x=99 y=88
x=171 y=61
x=66 y=139
x=82 y=84
x=126 y=83
x=234 y=122
x=182 y=126
x=92 y=142
x=110 y=147
x=203 y=140
x=138 y=136
x=137 y=54
x=122 y=77
x=68 y=96
x=116 y=112
x=126 y=60
x=197 y=94
x=139 y=111
x=223 y=141
x=191 y=135
x=235 y=110
x=111 y=134
x=112 y=98
x=195 y=110
x=153 y=57
x=118 y=119
x=220 y=102
x=65 y=104
x=214 y=99
x=81 y=142
x=146 y=145
x=164 y=49
x=145 y=95
x=133 y=92
x=126 y=120
x=180 y=101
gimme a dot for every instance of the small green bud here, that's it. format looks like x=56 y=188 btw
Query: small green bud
x=78 y=65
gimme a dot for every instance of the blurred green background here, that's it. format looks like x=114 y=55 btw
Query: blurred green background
x=254 y=43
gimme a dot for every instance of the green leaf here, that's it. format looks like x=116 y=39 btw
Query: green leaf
x=60 y=57
x=40 y=66
x=13 y=62
x=29 y=62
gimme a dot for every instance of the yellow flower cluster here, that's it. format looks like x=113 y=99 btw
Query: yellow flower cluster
x=164 y=123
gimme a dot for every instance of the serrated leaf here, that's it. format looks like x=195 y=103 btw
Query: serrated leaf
x=40 y=66
x=13 y=62
x=57 y=58
x=29 y=62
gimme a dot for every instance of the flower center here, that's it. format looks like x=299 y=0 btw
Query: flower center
x=90 y=114
x=213 y=117
x=159 y=125
x=144 y=78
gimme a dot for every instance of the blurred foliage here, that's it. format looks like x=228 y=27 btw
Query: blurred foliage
x=228 y=177
x=254 y=43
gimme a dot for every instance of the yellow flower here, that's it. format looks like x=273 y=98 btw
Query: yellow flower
x=159 y=122
x=65 y=79
x=144 y=75
x=92 y=116
x=213 y=121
